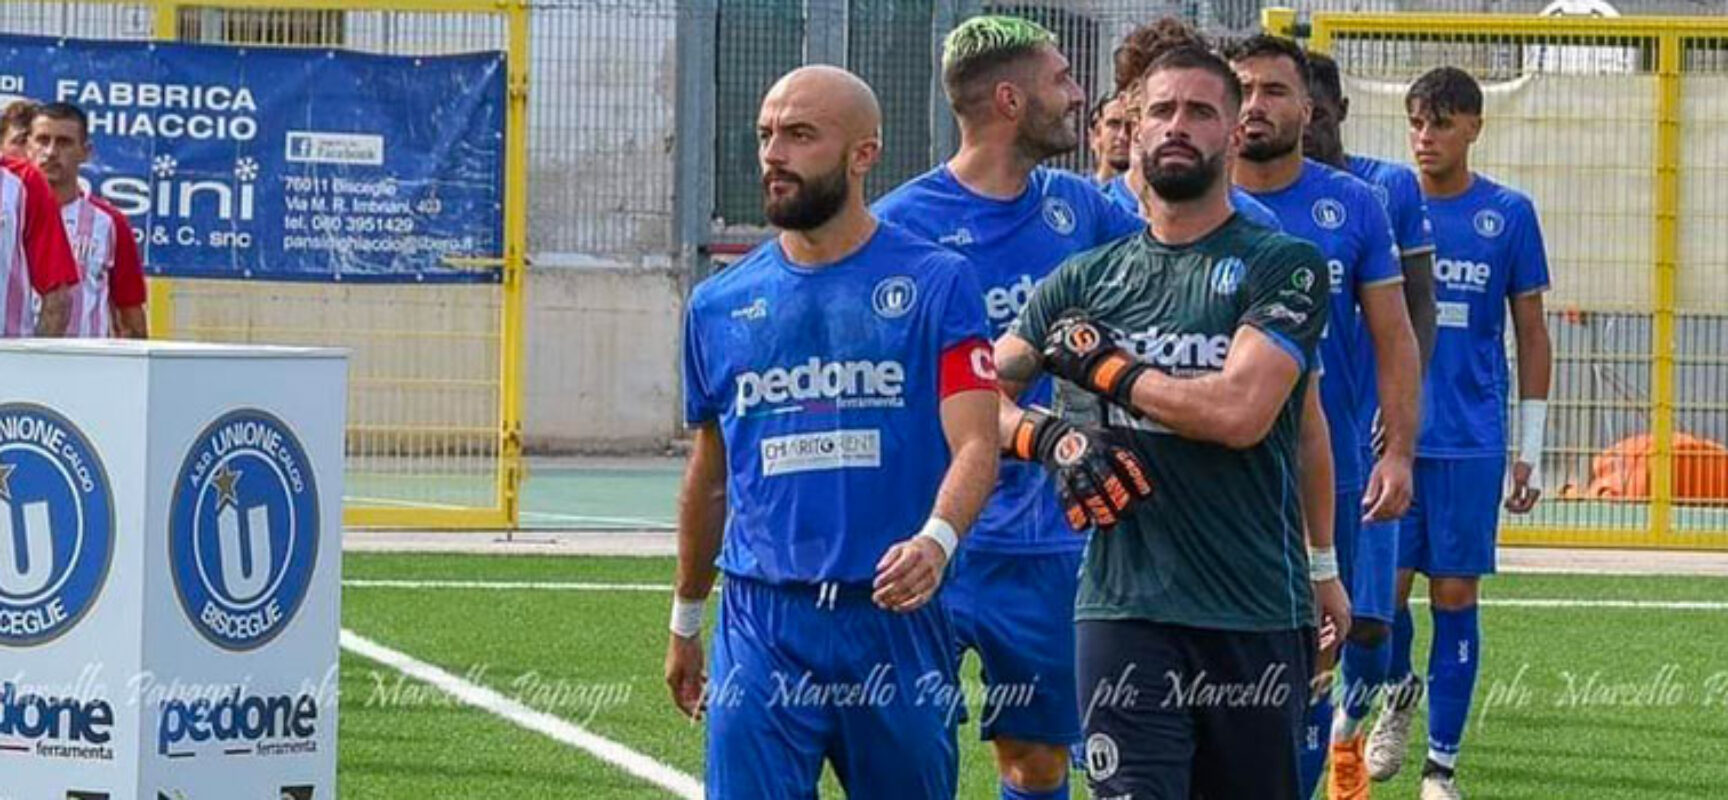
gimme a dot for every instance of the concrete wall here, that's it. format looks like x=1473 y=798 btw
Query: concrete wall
x=602 y=359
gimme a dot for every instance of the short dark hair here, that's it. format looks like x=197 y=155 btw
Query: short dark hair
x=1145 y=44
x=1097 y=112
x=63 y=112
x=1268 y=46
x=1444 y=91
x=1323 y=77
x=1200 y=58
x=18 y=114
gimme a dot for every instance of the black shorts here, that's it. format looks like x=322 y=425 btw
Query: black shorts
x=1173 y=713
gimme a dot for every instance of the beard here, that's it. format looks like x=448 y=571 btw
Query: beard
x=1278 y=145
x=815 y=201
x=1047 y=133
x=1179 y=183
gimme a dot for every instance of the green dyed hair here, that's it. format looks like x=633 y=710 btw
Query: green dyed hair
x=977 y=54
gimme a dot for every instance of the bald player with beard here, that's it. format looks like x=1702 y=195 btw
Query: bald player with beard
x=840 y=384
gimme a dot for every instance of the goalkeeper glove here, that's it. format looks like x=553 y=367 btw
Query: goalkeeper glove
x=1076 y=349
x=1098 y=474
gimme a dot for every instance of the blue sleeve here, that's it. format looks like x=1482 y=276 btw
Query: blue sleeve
x=1253 y=210
x=1114 y=221
x=1379 y=255
x=1410 y=216
x=1529 y=254
x=699 y=403
x=960 y=310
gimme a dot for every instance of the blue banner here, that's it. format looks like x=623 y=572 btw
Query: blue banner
x=285 y=163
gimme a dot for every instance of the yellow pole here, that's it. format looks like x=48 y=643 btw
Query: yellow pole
x=1667 y=260
x=1278 y=21
x=515 y=266
x=166 y=27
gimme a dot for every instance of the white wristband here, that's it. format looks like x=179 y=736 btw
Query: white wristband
x=938 y=529
x=1532 y=429
x=1322 y=564
x=687 y=616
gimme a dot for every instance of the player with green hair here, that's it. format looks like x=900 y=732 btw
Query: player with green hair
x=1012 y=592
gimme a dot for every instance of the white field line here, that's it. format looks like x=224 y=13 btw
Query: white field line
x=635 y=763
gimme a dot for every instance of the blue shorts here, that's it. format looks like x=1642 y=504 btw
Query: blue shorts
x=1017 y=611
x=1367 y=558
x=798 y=677
x=1454 y=521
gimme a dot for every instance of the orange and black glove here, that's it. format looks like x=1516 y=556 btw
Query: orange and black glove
x=1078 y=350
x=1098 y=474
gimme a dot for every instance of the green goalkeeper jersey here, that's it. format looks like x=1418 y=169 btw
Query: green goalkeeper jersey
x=1220 y=544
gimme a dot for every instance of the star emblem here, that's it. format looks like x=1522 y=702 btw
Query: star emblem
x=5 y=476
x=225 y=480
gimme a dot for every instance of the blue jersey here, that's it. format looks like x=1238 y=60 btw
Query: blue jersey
x=1244 y=203
x=1011 y=245
x=1401 y=194
x=824 y=385
x=1341 y=216
x=1488 y=250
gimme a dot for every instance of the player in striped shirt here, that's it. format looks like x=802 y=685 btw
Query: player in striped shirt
x=37 y=272
x=109 y=300
x=15 y=114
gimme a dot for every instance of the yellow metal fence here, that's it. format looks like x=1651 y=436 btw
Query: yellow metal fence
x=1612 y=126
x=435 y=403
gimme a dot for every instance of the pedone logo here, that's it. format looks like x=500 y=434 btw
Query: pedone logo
x=1004 y=303
x=242 y=724
x=1335 y=271
x=851 y=384
x=1180 y=351
x=56 y=525
x=243 y=529
x=1462 y=274
x=56 y=727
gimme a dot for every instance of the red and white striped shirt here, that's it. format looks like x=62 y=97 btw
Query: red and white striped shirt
x=110 y=275
x=35 y=257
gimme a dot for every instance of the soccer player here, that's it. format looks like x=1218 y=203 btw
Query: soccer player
x=1012 y=593
x=15 y=127
x=37 y=272
x=1340 y=214
x=1138 y=50
x=1110 y=134
x=1365 y=666
x=110 y=297
x=1200 y=334
x=1488 y=256
x=840 y=384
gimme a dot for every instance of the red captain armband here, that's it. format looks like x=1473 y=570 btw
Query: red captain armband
x=967 y=366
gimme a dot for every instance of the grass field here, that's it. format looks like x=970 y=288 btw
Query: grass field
x=1606 y=700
